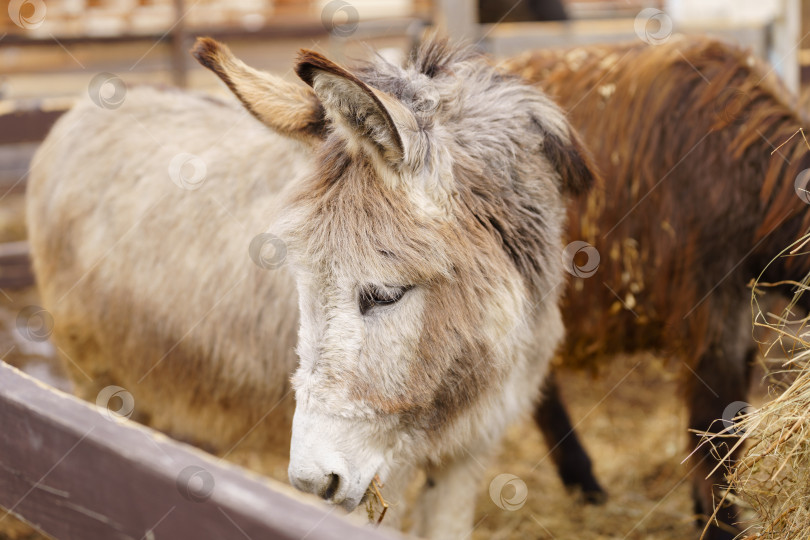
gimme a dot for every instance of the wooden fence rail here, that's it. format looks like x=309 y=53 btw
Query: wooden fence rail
x=74 y=470
x=15 y=265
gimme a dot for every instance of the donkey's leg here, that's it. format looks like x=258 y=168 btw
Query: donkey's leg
x=572 y=461
x=720 y=385
x=446 y=506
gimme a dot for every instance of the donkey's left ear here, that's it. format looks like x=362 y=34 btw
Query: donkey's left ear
x=572 y=160
x=365 y=111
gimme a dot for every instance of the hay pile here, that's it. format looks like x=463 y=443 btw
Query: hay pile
x=772 y=479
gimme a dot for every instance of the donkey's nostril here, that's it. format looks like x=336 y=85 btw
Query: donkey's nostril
x=331 y=489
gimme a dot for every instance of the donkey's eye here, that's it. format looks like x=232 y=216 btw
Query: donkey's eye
x=377 y=296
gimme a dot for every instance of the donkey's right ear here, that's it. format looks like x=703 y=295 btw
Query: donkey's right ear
x=290 y=109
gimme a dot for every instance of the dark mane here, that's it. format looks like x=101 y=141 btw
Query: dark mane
x=436 y=56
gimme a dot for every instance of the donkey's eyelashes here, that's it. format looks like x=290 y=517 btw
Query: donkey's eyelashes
x=374 y=296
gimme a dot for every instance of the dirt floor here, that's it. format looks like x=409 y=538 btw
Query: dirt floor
x=633 y=425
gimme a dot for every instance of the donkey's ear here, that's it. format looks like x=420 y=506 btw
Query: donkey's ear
x=290 y=109
x=365 y=111
x=572 y=160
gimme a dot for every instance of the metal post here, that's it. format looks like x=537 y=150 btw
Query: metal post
x=459 y=18
x=179 y=54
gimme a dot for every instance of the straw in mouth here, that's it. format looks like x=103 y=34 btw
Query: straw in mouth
x=373 y=494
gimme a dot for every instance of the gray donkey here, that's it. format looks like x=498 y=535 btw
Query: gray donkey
x=411 y=222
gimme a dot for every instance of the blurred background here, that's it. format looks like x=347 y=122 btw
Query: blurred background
x=54 y=51
x=50 y=51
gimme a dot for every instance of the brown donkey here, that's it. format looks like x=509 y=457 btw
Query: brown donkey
x=692 y=207
x=416 y=215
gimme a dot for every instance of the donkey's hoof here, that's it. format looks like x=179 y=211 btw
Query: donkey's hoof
x=588 y=494
x=723 y=532
x=578 y=478
x=597 y=497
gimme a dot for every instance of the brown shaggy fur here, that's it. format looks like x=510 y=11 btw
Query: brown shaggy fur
x=692 y=207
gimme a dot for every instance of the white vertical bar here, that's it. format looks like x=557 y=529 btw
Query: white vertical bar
x=459 y=18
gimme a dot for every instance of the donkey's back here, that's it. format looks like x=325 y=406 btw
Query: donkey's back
x=159 y=200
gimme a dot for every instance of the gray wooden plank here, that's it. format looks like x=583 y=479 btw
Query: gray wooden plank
x=15 y=265
x=73 y=471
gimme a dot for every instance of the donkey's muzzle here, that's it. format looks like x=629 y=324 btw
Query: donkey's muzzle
x=320 y=464
x=324 y=485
